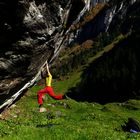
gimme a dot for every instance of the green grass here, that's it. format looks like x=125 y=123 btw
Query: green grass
x=67 y=119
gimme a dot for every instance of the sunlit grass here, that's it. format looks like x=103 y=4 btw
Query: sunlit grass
x=67 y=119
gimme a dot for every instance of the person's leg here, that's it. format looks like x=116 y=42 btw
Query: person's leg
x=40 y=94
x=53 y=95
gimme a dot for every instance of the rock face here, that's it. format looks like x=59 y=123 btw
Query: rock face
x=33 y=31
x=30 y=33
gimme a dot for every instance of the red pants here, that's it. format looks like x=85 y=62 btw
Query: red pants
x=47 y=90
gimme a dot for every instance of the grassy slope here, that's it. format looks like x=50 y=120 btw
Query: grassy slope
x=68 y=119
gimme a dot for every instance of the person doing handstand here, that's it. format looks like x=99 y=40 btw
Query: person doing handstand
x=47 y=90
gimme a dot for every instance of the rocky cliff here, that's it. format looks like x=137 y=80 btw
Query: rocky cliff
x=33 y=31
x=30 y=33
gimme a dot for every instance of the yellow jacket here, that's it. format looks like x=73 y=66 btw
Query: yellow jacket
x=49 y=80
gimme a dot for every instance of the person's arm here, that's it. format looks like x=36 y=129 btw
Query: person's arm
x=47 y=67
x=49 y=77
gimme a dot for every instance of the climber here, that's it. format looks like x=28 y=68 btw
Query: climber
x=47 y=90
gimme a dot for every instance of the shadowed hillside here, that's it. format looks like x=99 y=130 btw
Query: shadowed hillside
x=114 y=76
